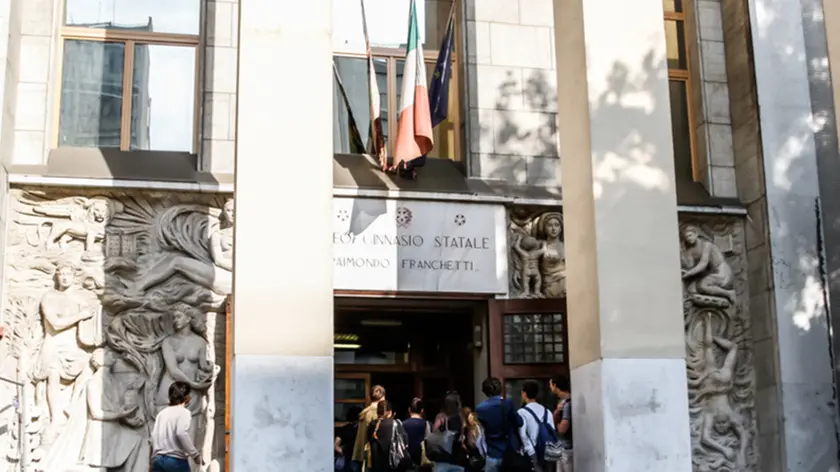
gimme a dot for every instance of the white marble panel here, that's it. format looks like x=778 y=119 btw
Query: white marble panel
x=496 y=11
x=496 y=87
x=402 y=245
x=513 y=169
x=220 y=17
x=282 y=414
x=632 y=414
x=478 y=42
x=36 y=65
x=536 y=12
x=220 y=69
x=481 y=131
x=521 y=46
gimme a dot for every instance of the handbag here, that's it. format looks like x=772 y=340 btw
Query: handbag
x=476 y=463
x=440 y=444
x=398 y=457
x=424 y=459
x=476 y=456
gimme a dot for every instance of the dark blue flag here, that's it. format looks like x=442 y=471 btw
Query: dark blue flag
x=438 y=89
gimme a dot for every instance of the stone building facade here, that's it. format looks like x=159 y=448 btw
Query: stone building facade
x=604 y=167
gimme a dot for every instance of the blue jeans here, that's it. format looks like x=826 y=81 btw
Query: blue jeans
x=443 y=467
x=493 y=465
x=170 y=464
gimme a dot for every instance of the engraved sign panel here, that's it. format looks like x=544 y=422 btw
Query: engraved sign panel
x=390 y=245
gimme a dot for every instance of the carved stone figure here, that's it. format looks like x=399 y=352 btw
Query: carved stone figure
x=718 y=348
x=107 y=297
x=705 y=267
x=81 y=218
x=715 y=385
x=62 y=358
x=116 y=437
x=530 y=250
x=106 y=426
x=538 y=260
x=216 y=274
x=185 y=359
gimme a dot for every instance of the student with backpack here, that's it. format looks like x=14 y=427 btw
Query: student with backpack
x=538 y=435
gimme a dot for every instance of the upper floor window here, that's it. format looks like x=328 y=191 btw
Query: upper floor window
x=129 y=74
x=685 y=164
x=387 y=22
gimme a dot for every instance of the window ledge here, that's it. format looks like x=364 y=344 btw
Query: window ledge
x=115 y=168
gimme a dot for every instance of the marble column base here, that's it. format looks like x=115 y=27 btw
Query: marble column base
x=631 y=415
x=281 y=414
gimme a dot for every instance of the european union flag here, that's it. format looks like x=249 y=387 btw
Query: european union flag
x=438 y=89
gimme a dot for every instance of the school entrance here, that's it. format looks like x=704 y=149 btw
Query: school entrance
x=412 y=347
x=423 y=348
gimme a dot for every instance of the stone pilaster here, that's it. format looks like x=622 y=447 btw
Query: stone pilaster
x=283 y=304
x=626 y=331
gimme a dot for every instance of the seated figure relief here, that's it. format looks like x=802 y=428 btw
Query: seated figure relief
x=538 y=257
x=705 y=270
x=110 y=299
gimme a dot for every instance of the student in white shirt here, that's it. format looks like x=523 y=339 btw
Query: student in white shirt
x=171 y=444
x=529 y=431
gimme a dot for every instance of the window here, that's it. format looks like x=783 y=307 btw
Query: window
x=528 y=339
x=513 y=390
x=685 y=164
x=387 y=21
x=350 y=391
x=129 y=74
x=533 y=338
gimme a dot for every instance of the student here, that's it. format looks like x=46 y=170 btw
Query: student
x=381 y=434
x=416 y=428
x=500 y=422
x=345 y=440
x=452 y=419
x=171 y=443
x=561 y=388
x=475 y=443
x=532 y=414
x=366 y=419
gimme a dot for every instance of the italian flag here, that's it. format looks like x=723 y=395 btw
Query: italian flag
x=414 y=131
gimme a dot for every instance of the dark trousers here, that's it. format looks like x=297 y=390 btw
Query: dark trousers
x=170 y=464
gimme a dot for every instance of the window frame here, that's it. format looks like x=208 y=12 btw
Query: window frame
x=391 y=56
x=544 y=370
x=678 y=16
x=129 y=39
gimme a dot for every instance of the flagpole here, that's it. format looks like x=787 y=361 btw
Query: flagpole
x=451 y=16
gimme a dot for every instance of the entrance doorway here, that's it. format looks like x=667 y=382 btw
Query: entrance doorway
x=412 y=350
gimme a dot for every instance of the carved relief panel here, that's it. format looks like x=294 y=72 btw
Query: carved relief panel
x=110 y=298
x=721 y=385
x=537 y=254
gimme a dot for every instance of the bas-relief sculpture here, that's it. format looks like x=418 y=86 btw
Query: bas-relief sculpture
x=537 y=254
x=109 y=299
x=718 y=346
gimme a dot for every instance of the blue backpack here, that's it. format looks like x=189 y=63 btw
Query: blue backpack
x=547 y=446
